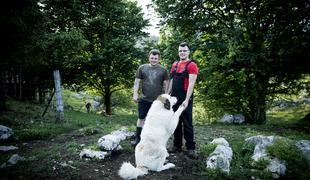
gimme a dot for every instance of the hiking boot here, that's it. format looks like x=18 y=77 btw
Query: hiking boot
x=192 y=154
x=135 y=142
x=175 y=150
x=137 y=138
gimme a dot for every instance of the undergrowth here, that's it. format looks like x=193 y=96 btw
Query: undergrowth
x=25 y=118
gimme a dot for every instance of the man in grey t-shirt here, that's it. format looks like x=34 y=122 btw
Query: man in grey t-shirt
x=154 y=80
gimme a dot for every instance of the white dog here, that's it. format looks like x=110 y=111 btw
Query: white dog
x=151 y=152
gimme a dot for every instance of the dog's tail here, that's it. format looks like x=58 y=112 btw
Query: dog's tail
x=128 y=171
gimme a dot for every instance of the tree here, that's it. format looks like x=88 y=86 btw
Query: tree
x=22 y=23
x=254 y=49
x=113 y=29
x=55 y=37
x=63 y=43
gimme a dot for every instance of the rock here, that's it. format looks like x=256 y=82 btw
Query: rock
x=5 y=132
x=7 y=148
x=277 y=168
x=12 y=161
x=229 y=118
x=304 y=147
x=239 y=119
x=111 y=141
x=221 y=156
x=220 y=141
x=88 y=153
x=261 y=142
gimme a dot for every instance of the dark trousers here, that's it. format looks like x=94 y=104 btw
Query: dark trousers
x=185 y=126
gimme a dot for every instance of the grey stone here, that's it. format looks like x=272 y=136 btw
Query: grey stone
x=5 y=132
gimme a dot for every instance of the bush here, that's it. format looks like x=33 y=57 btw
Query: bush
x=206 y=150
x=296 y=163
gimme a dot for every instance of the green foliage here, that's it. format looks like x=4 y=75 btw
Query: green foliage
x=52 y=154
x=206 y=150
x=73 y=147
x=288 y=121
x=27 y=124
x=110 y=60
x=122 y=101
x=83 y=119
x=205 y=111
x=242 y=165
x=127 y=147
x=65 y=46
x=261 y=164
x=92 y=43
x=89 y=131
x=94 y=147
x=25 y=120
x=23 y=23
x=216 y=174
x=295 y=161
x=248 y=49
x=288 y=115
x=75 y=100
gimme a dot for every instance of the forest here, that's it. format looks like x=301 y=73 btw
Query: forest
x=253 y=57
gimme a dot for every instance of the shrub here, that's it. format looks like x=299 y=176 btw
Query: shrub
x=296 y=163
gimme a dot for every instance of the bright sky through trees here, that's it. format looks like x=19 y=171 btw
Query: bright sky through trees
x=149 y=13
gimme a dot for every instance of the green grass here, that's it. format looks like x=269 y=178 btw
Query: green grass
x=27 y=124
x=295 y=161
x=26 y=121
x=75 y=101
x=242 y=166
x=288 y=115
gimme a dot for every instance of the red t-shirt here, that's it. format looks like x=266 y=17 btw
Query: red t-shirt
x=191 y=69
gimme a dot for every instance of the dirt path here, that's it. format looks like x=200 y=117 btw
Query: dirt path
x=53 y=159
x=185 y=168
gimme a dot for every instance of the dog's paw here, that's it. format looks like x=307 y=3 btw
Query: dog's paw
x=170 y=165
x=166 y=166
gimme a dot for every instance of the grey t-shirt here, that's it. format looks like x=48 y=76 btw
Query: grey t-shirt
x=152 y=78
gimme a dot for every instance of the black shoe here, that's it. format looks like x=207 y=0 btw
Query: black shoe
x=192 y=154
x=175 y=150
x=138 y=137
x=134 y=143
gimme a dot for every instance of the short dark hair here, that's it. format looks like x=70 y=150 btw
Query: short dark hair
x=183 y=44
x=154 y=52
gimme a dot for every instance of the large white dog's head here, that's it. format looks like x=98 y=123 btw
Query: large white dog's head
x=167 y=100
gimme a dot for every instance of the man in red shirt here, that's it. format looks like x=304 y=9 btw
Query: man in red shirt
x=183 y=77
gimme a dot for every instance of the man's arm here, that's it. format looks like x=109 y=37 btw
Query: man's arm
x=135 y=89
x=169 y=86
x=191 y=83
x=166 y=86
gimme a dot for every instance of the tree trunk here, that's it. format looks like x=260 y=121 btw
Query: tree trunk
x=259 y=116
x=50 y=99
x=59 y=105
x=107 y=100
x=2 y=92
x=20 y=82
x=15 y=85
x=40 y=95
x=257 y=111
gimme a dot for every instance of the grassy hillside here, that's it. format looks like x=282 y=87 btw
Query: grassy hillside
x=40 y=139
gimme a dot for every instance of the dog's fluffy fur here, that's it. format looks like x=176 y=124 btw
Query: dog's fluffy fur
x=151 y=152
